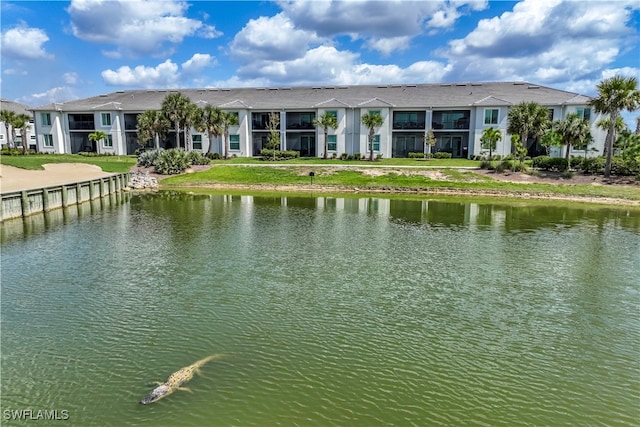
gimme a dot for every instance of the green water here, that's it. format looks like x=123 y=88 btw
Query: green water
x=329 y=311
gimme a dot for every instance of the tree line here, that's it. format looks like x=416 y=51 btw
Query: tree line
x=529 y=119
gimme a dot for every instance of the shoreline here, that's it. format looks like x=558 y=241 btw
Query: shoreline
x=440 y=191
x=16 y=179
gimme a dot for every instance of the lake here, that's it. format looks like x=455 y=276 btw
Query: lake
x=348 y=311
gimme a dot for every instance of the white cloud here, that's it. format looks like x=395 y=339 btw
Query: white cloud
x=70 y=78
x=381 y=23
x=327 y=65
x=55 y=94
x=387 y=46
x=15 y=72
x=551 y=42
x=197 y=63
x=273 y=38
x=136 y=27
x=164 y=75
x=24 y=42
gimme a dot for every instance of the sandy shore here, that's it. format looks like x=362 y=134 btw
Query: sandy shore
x=16 y=179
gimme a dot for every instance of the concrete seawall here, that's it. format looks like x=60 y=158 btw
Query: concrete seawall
x=23 y=203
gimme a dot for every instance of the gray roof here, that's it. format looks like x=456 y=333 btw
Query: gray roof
x=16 y=107
x=400 y=96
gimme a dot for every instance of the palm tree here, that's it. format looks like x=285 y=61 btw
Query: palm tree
x=325 y=122
x=21 y=122
x=174 y=108
x=615 y=95
x=574 y=130
x=96 y=137
x=8 y=117
x=605 y=124
x=490 y=138
x=372 y=121
x=152 y=124
x=192 y=119
x=528 y=119
x=227 y=120
x=211 y=123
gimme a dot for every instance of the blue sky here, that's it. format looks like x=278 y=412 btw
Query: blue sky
x=55 y=51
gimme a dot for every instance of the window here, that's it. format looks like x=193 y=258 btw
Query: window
x=1 y=136
x=332 y=113
x=332 y=142
x=584 y=113
x=491 y=116
x=376 y=143
x=105 y=119
x=45 y=118
x=234 y=142
x=408 y=119
x=108 y=142
x=197 y=142
x=374 y=112
x=48 y=140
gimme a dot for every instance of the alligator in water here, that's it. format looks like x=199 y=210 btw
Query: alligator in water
x=176 y=380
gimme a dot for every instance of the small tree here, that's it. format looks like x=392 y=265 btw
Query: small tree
x=372 y=121
x=96 y=137
x=273 y=126
x=211 y=122
x=429 y=140
x=550 y=139
x=490 y=138
x=325 y=122
x=520 y=151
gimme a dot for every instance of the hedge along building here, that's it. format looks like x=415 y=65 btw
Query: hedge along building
x=456 y=113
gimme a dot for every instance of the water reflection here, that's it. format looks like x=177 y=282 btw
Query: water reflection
x=44 y=221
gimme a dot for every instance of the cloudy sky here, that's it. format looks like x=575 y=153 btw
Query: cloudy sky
x=55 y=51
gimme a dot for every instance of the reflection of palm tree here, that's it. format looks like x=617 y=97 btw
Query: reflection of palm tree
x=528 y=119
x=325 y=122
x=615 y=95
x=372 y=121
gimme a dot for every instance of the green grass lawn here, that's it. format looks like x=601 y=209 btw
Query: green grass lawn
x=114 y=164
x=463 y=180
x=383 y=162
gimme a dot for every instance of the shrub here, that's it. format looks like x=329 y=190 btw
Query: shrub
x=567 y=174
x=416 y=155
x=576 y=162
x=379 y=156
x=197 y=158
x=486 y=164
x=213 y=156
x=146 y=159
x=11 y=152
x=593 y=165
x=559 y=164
x=622 y=167
x=442 y=155
x=344 y=156
x=270 y=155
x=357 y=156
x=541 y=162
x=94 y=154
x=502 y=166
x=171 y=162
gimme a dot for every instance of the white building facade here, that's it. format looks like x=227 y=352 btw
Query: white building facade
x=14 y=135
x=457 y=114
